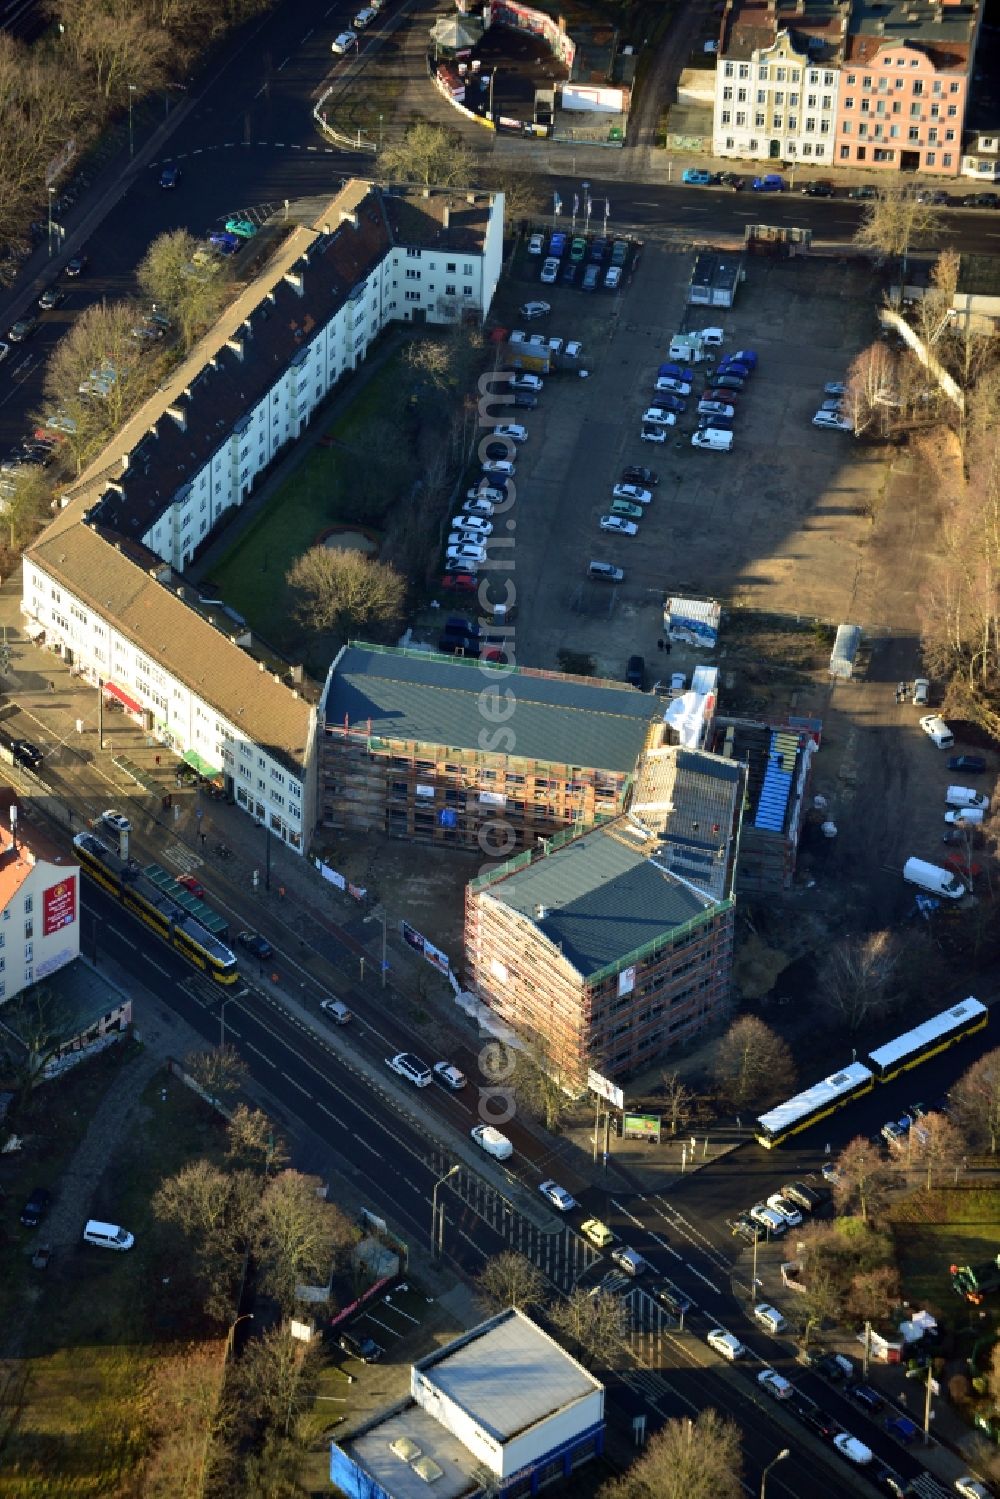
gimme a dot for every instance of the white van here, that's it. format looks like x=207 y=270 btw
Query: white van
x=933 y=878
x=106 y=1235
x=964 y=817
x=964 y=796
x=492 y=1141
x=770 y=1317
x=714 y=438
x=605 y=572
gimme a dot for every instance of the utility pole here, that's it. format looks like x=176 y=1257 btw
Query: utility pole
x=927 y=1405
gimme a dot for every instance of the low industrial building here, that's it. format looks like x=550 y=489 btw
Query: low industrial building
x=104 y=584
x=501 y=1411
x=462 y=753
x=714 y=279
x=778 y=756
x=614 y=947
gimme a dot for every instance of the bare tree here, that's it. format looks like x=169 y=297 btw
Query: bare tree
x=678 y=1100
x=428 y=154
x=820 y=1301
x=855 y=977
x=253 y=1143
x=344 y=591
x=976 y=1095
x=933 y=1144
x=896 y=222
x=213 y=1213
x=871 y=399
x=685 y=1459
x=752 y=1064
x=36 y=1024
x=29 y=507
x=543 y=1087
x=511 y=1280
x=298 y=1234
x=273 y=1379
x=192 y=302
x=864 y=1179
x=597 y=1322
x=113 y=43
x=873 y=1293
x=97 y=375
x=220 y=1072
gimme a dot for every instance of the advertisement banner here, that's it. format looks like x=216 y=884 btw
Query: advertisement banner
x=641 y=1127
x=626 y=982
x=605 y=1088
x=58 y=906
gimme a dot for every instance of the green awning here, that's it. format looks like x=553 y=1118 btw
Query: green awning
x=192 y=758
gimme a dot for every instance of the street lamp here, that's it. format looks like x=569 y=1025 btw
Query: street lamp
x=434 y=1208
x=785 y=1452
x=132 y=89
x=222 y=1019
x=243 y=1317
x=52 y=193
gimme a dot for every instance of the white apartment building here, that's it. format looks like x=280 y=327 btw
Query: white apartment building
x=776 y=103
x=39 y=907
x=102 y=582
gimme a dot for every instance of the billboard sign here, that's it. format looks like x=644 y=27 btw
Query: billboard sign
x=58 y=906
x=605 y=1088
x=641 y=1127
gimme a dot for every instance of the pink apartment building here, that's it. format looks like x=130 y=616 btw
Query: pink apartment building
x=904 y=86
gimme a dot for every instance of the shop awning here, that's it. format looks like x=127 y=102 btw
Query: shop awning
x=192 y=758
x=122 y=696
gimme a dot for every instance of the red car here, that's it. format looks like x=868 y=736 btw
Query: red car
x=190 y=883
x=460 y=582
x=727 y=397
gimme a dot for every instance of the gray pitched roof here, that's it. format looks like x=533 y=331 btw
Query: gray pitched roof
x=602 y=899
x=408 y=695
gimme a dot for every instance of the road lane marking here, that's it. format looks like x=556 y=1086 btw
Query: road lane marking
x=695 y=1271
x=664 y=1245
x=307 y=35
x=257 y=1052
x=331 y=1115
x=296 y=1084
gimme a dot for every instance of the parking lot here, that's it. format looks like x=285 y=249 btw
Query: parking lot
x=799 y=523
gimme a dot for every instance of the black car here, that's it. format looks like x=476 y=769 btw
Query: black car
x=26 y=753
x=569 y=272
x=76 y=266
x=886 y=1478
x=827 y=1365
x=717 y=423
x=636 y=474
x=865 y=193
x=745 y=1228
x=525 y=400
x=51 y=297
x=819 y=190
x=255 y=944
x=816 y=1418
x=973 y=765
x=36 y=1207
x=635 y=671
x=667 y=1294
x=598 y=250
x=360 y=1347
x=726 y=382
x=170 y=176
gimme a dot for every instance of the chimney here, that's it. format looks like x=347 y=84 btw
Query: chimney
x=236 y=345
x=541 y=912
x=179 y=415
x=347 y=217
x=295 y=280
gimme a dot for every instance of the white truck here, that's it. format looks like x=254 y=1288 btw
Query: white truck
x=933 y=878
x=492 y=1141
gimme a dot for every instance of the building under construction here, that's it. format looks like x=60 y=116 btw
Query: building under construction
x=458 y=752
x=615 y=946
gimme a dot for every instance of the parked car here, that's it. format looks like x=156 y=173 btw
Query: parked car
x=195 y=886
x=591 y=277
x=653 y=434
x=636 y=473
x=26 y=753
x=51 y=297
x=36 y=1207
x=973 y=765
x=527 y=382
x=667 y=401
x=785 y=1209
x=513 y=431
x=557 y=1196
x=77 y=265
x=768 y=1219
x=696 y=177
x=550 y=270
x=578 y=248
x=835 y=388
x=476 y=523
x=727 y=382
x=343 y=43
x=671 y=371
x=769 y=183
x=256 y=945
x=598 y=250
x=656 y=416
x=715 y=408
x=819 y=190
x=21 y=331
x=632 y=492
x=405 y=1064
x=868 y=1399
x=674 y=385
x=775 y=1384
x=536 y=244
x=532 y=310
x=629 y=1260
x=833 y=421
x=465 y=551
x=635 y=671
x=557 y=243
x=612 y=277
x=619 y=525
x=744 y=1227
x=360 y=1347
x=117 y=822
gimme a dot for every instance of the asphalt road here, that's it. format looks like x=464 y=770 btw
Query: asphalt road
x=372 y=1138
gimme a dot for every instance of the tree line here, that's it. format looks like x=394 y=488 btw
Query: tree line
x=70 y=82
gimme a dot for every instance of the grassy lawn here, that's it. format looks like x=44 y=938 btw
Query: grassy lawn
x=950 y=1226
x=252 y=574
x=102 y=1396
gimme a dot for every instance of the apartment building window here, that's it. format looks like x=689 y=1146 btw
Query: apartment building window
x=793 y=99
x=741 y=96
x=467 y=268
x=883 y=84
x=897 y=108
x=807 y=149
x=744 y=70
x=861 y=153
x=466 y=291
x=813 y=76
x=811 y=101
x=913 y=134
x=827 y=101
x=915 y=111
x=930 y=158
x=728 y=70
x=949 y=135
x=730 y=143
x=894 y=132
x=852 y=78
x=29 y=905
x=845 y=153
x=413 y=296
x=727 y=93
x=848 y=103
x=413 y=254
x=935 y=111
x=946 y=159
x=952 y=111
x=726 y=117
x=413 y=275
x=762 y=72
x=866 y=82
x=779 y=75
x=762 y=96
x=793 y=124
x=880 y=107
x=760 y=120
x=810 y=124
x=953 y=88
x=752 y=147
x=824 y=128
x=449 y=291
x=821 y=150
x=932 y=136
x=776 y=122
x=878 y=132
x=741 y=119
x=779 y=96
x=29 y=952
x=866 y=106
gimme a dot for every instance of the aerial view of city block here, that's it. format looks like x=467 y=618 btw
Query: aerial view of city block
x=499 y=749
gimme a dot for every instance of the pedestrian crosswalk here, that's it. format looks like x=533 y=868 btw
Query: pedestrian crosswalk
x=559 y=1252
